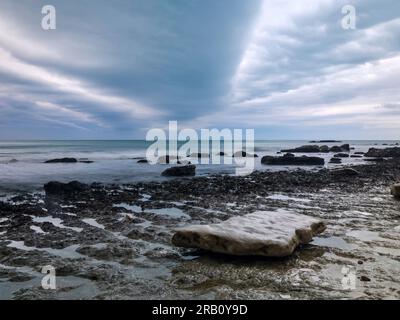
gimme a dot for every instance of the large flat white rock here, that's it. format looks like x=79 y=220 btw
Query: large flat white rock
x=262 y=233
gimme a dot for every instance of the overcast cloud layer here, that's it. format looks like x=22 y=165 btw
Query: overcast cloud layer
x=114 y=69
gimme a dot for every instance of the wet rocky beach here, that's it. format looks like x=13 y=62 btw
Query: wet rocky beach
x=114 y=241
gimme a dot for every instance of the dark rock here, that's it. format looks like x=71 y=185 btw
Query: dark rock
x=13 y=161
x=365 y=279
x=324 y=148
x=348 y=172
x=199 y=155
x=167 y=159
x=375 y=160
x=288 y=155
x=57 y=188
x=62 y=160
x=341 y=155
x=142 y=161
x=293 y=161
x=328 y=141
x=189 y=170
x=345 y=147
x=244 y=154
x=355 y=156
x=304 y=149
x=335 y=149
x=359 y=153
x=395 y=191
x=336 y=160
x=383 y=153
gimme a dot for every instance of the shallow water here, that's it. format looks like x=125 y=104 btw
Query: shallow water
x=116 y=161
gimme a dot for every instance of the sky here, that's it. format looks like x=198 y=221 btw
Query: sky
x=115 y=69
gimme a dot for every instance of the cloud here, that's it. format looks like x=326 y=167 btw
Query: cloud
x=284 y=67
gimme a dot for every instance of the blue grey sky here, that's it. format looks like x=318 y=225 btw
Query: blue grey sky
x=114 y=69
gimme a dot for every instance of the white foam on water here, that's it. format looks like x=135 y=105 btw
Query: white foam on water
x=145 y=197
x=3 y=220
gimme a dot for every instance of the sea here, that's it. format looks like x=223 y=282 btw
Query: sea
x=22 y=164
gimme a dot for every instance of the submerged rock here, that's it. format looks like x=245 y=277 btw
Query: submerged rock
x=383 y=153
x=167 y=159
x=57 y=188
x=244 y=154
x=142 y=161
x=395 y=191
x=290 y=160
x=189 y=170
x=262 y=233
x=304 y=149
x=342 y=148
x=341 y=155
x=62 y=160
x=199 y=155
x=335 y=160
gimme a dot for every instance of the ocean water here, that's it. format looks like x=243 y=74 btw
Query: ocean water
x=114 y=161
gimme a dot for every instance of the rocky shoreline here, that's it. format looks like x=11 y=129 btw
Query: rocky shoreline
x=114 y=241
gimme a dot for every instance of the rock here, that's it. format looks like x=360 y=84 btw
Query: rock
x=345 y=147
x=199 y=155
x=336 y=160
x=262 y=233
x=365 y=279
x=288 y=155
x=324 y=149
x=293 y=161
x=329 y=141
x=304 y=149
x=383 y=153
x=57 y=188
x=142 y=161
x=221 y=153
x=62 y=160
x=189 y=170
x=355 y=156
x=13 y=161
x=324 y=141
x=341 y=155
x=375 y=160
x=244 y=154
x=395 y=191
x=347 y=172
x=167 y=159
x=359 y=153
x=86 y=161
x=335 y=149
